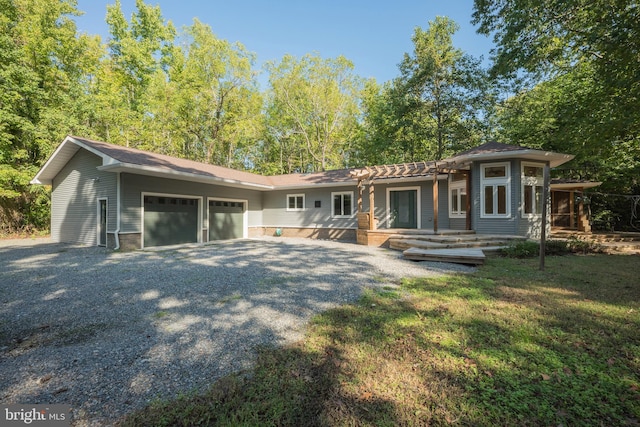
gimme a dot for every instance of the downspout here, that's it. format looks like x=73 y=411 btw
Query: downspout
x=117 y=231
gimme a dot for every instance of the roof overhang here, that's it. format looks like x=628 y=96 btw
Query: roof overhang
x=554 y=159
x=186 y=176
x=316 y=185
x=61 y=157
x=574 y=185
x=70 y=146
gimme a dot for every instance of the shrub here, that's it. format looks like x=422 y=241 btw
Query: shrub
x=556 y=247
x=521 y=249
x=531 y=249
x=576 y=245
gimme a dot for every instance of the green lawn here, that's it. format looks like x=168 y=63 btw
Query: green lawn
x=509 y=345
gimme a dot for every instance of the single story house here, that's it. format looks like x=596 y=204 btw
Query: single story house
x=120 y=197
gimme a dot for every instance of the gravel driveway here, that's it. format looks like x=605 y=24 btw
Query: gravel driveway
x=107 y=332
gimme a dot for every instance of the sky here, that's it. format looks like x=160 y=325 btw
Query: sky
x=373 y=34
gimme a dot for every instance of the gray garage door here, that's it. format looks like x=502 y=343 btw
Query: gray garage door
x=170 y=221
x=225 y=220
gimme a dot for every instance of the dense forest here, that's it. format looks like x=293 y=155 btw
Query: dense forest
x=564 y=76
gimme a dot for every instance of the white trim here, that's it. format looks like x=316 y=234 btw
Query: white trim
x=530 y=181
x=170 y=195
x=495 y=182
x=106 y=220
x=306 y=227
x=418 y=204
x=245 y=214
x=342 y=193
x=296 y=209
x=555 y=159
x=462 y=210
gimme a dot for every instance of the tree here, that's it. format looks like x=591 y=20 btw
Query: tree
x=312 y=111
x=216 y=99
x=139 y=50
x=438 y=104
x=583 y=58
x=378 y=140
x=43 y=67
x=552 y=35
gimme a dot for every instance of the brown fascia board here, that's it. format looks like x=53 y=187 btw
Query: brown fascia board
x=504 y=151
x=116 y=158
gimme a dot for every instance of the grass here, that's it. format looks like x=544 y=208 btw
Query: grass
x=509 y=345
x=34 y=234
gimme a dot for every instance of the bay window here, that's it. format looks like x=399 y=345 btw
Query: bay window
x=532 y=186
x=495 y=190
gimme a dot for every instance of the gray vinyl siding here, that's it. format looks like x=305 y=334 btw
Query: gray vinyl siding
x=495 y=225
x=74 y=199
x=132 y=187
x=275 y=213
x=458 y=223
x=426 y=202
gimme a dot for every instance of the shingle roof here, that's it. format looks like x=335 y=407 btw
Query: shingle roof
x=491 y=147
x=134 y=156
x=119 y=158
x=497 y=151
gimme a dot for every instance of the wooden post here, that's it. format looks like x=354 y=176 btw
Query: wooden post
x=372 y=219
x=543 y=231
x=360 y=191
x=468 y=207
x=572 y=210
x=435 y=201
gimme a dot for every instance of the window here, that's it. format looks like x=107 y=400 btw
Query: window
x=295 y=202
x=532 y=186
x=457 y=196
x=342 y=204
x=496 y=189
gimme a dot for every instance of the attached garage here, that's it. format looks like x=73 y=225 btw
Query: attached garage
x=170 y=220
x=226 y=219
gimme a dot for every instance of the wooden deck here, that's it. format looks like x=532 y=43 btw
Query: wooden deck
x=380 y=237
x=612 y=242
x=458 y=246
x=458 y=256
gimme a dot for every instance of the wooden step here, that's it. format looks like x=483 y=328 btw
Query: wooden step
x=458 y=256
x=403 y=244
x=457 y=239
x=419 y=232
x=596 y=237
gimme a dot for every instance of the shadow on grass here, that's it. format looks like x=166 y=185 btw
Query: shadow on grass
x=291 y=386
x=506 y=346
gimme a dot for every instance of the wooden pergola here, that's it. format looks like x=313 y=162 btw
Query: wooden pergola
x=369 y=174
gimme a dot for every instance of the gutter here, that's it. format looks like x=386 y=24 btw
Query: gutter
x=117 y=230
x=172 y=174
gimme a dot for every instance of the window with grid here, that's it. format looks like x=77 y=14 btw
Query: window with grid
x=295 y=202
x=495 y=190
x=532 y=189
x=458 y=196
x=342 y=204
